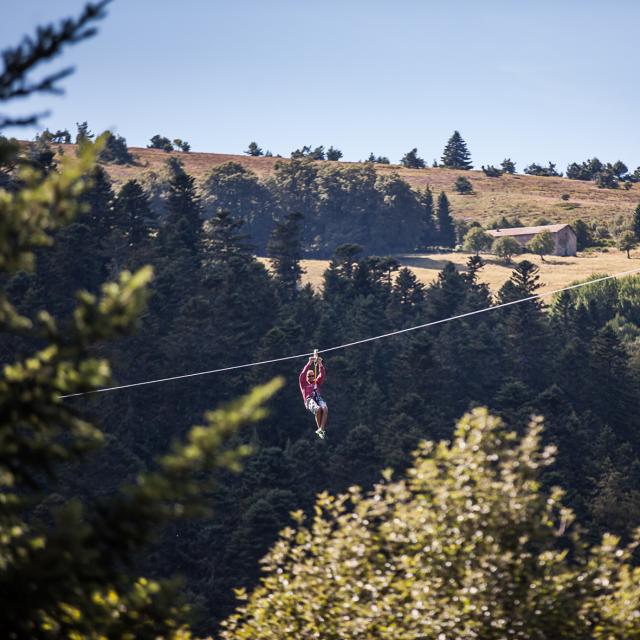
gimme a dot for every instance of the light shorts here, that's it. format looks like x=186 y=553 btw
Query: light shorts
x=314 y=406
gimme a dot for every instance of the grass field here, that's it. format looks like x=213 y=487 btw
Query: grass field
x=555 y=272
x=521 y=195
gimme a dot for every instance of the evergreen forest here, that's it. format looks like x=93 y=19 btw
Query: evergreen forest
x=524 y=399
x=213 y=304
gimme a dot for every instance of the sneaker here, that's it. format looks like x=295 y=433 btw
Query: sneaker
x=321 y=433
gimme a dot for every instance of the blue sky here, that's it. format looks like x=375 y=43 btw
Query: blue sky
x=535 y=81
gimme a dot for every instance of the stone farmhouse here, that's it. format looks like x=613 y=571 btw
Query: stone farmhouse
x=563 y=235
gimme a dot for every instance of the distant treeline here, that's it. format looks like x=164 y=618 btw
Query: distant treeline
x=337 y=205
x=456 y=155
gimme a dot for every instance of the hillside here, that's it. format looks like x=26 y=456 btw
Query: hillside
x=521 y=195
x=555 y=272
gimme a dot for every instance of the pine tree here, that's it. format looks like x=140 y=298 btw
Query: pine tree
x=455 y=154
x=429 y=233
x=160 y=142
x=285 y=251
x=635 y=222
x=83 y=135
x=508 y=166
x=183 y=209
x=133 y=212
x=224 y=239
x=526 y=336
x=411 y=160
x=254 y=150
x=446 y=227
x=115 y=150
x=67 y=565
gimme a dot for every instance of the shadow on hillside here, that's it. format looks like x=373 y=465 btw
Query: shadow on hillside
x=423 y=262
x=437 y=264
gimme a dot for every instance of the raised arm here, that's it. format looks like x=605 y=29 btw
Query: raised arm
x=303 y=374
x=320 y=379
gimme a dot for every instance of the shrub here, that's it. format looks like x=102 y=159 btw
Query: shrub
x=506 y=248
x=463 y=185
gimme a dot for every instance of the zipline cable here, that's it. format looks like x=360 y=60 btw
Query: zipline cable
x=468 y=314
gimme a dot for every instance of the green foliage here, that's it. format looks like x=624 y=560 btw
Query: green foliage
x=505 y=223
x=231 y=187
x=411 y=160
x=285 y=251
x=160 y=142
x=378 y=159
x=468 y=543
x=506 y=248
x=66 y=571
x=607 y=179
x=307 y=152
x=133 y=208
x=477 y=240
x=181 y=145
x=606 y=176
x=254 y=150
x=463 y=185
x=537 y=170
x=587 y=170
x=61 y=136
x=508 y=166
x=492 y=172
x=456 y=154
x=184 y=224
x=446 y=228
x=334 y=154
x=115 y=150
x=627 y=241
x=50 y=41
x=542 y=243
x=584 y=239
x=84 y=134
x=635 y=222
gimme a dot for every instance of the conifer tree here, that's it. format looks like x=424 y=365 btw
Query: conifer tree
x=456 y=154
x=508 y=166
x=429 y=234
x=83 y=135
x=635 y=222
x=225 y=240
x=66 y=570
x=133 y=211
x=411 y=160
x=446 y=227
x=183 y=220
x=254 y=150
x=285 y=251
x=160 y=142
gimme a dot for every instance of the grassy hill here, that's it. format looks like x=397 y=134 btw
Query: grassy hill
x=527 y=197
x=555 y=272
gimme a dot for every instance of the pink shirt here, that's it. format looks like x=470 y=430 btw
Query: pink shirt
x=307 y=388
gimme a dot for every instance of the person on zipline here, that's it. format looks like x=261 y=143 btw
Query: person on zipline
x=310 y=384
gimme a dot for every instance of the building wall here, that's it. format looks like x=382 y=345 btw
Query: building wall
x=565 y=241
